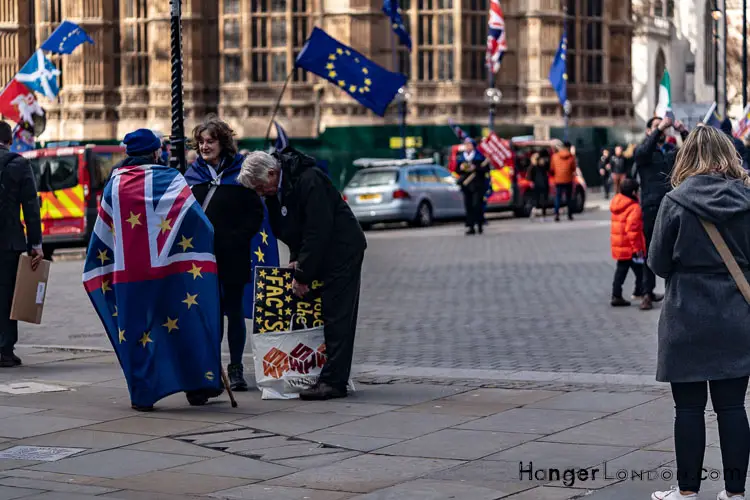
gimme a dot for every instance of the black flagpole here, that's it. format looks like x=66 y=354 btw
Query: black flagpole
x=177 y=158
x=278 y=104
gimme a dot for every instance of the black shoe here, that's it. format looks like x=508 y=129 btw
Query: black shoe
x=16 y=359
x=236 y=380
x=196 y=398
x=481 y=230
x=470 y=231
x=142 y=408
x=7 y=362
x=619 y=302
x=570 y=217
x=557 y=218
x=321 y=392
x=656 y=297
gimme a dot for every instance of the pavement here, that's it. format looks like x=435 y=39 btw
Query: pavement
x=486 y=367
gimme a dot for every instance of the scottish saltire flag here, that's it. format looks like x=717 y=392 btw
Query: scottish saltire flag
x=392 y=10
x=282 y=140
x=743 y=126
x=150 y=273
x=664 y=103
x=40 y=74
x=66 y=38
x=558 y=72
x=496 y=43
x=369 y=84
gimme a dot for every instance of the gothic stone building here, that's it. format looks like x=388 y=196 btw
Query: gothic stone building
x=239 y=52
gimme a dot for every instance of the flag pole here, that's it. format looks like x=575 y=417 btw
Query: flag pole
x=402 y=100
x=177 y=158
x=566 y=104
x=278 y=104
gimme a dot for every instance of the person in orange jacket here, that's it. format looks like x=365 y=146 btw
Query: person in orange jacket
x=563 y=167
x=627 y=240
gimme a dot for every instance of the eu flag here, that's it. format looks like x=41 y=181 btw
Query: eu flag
x=66 y=38
x=150 y=273
x=371 y=85
x=558 y=72
x=390 y=8
x=265 y=252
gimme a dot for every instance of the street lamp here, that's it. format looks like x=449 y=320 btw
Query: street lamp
x=402 y=98
x=492 y=96
x=716 y=15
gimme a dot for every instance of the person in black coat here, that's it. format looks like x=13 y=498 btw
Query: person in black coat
x=538 y=174
x=473 y=171
x=17 y=189
x=326 y=243
x=237 y=215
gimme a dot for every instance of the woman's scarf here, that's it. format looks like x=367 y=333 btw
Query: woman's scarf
x=201 y=172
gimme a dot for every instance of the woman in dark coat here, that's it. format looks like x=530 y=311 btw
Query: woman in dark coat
x=538 y=174
x=704 y=336
x=236 y=214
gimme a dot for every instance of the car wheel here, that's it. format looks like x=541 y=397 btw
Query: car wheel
x=580 y=200
x=526 y=207
x=424 y=215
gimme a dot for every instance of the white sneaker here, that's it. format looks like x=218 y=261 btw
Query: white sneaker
x=672 y=494
x=724 y=496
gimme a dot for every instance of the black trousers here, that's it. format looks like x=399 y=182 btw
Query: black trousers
x=340 y=308
x=474 y=204
x=649 y=221
x=728 y=398
x=8 y=328
x=231 y=308
x=621 y=272
x=541 y=198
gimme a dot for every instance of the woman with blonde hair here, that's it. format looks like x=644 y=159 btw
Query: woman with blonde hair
x=703 y=334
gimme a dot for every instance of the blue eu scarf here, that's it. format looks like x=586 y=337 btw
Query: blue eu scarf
x=201 y=172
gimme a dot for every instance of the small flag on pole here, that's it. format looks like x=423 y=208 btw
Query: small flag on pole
x=664 y=104
x=40 y=75
x=66 y=38
x=558 y=72
x=496 y=43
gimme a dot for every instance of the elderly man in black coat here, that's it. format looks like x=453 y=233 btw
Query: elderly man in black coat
x=326 y=243
x=17 y=189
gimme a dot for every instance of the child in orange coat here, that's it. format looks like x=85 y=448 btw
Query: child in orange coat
x=627 y=239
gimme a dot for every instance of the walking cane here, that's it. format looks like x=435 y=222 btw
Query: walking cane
x=225 y=381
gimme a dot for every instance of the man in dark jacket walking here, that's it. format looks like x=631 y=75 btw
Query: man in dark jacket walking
x=325 y=242
x=17 y=189
x=654 y=160
x=619 y=168
x=474 y=170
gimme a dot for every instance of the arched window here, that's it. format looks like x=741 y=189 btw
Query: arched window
x=592 y=49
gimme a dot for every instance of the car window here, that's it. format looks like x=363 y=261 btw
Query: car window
x=53 y=173
x=427 y=175
x=412 y=175
x=371 y=178
x=103 y=163
x=445 y=176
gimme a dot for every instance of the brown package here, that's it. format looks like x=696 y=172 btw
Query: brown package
x=30 y=292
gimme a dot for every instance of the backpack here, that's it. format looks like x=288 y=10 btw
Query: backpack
x=5 y=203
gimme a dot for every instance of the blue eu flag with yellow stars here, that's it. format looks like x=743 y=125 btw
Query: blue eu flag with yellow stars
x=150 y=273
x=265 y=252
x=558 y=72
x=371 y=85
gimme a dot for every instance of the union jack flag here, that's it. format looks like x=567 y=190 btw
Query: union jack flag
x=150 y=273
x=496 y=44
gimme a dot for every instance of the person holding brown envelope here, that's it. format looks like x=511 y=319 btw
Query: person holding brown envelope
x=17 y=189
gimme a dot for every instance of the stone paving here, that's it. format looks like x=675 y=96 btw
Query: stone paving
x=386 y=441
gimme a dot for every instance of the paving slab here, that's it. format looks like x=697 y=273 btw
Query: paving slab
x=469 y=409
x=614 y=432
x=517 y=397
x=114 y=464
x=545 y=493
x=428 y=489
x=500 y=476
x=594 y=401
x=58 y=495
x=303 y=449
x=149 y=426
x=85 y=438
x=359 y=443
x=112 y=411
x=398 y=425
x=172 y=446
x=237 y=467
x=268 y=492
x=138 y=495
x=37 y=484
x=9 y=411
x=23 y=426
x=458 y=444
x=11 y=493
x=257 y=445
x=345 y=408
x=292 y=423
x=52 y=476
x=403 y=394
x=365 y=473
x=176 y=483
x=312 y=461
x=560 y=455
x=532 y=420
x=661 y=409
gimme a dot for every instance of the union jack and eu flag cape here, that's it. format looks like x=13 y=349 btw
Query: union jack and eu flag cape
x=264 y=248
x=150 y=273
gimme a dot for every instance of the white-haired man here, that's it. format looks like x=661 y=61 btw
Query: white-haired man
x=326 y=243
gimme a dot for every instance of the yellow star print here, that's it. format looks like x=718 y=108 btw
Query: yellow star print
x=146 y=339
x=348 y=53
x=352 y=88
x=288 y=298
x=368 y=81
x=186 y=243
x=190 y=300
x=258 y=253
x=259 y=320
x=262 y=330
x=135 y=220
x=287 y=276
x=121 y=335
x=288 y=312
x=112 y=230
x=342 y=83
x=259 y=296
x=330 y=66
x=103 y=256
x=114 y=315
x=262 y=273
x=259 y=309
x=105 y=286
x=275 y=272
x=332 y=57
x=365 y=71
x=171 y=324
x=261 y=285
x=196 y=271
x=288 y=286
x=165 y=225
x=339 y=51
x=332 y=74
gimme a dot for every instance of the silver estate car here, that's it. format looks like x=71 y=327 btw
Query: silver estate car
x=414 y=191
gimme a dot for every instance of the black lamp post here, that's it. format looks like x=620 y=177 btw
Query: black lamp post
x=716 y=15
x=744 y=54
x=177 y=159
